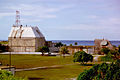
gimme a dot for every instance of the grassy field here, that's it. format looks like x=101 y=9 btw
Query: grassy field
x=29 y=61
x=63 y=73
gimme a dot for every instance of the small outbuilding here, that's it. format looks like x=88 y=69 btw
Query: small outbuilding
x=102 y=43
x=25 y=39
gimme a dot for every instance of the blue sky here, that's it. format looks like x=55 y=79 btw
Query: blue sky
x=64 y=19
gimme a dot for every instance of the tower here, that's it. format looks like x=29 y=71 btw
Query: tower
x=17 y=22
x=25 y=39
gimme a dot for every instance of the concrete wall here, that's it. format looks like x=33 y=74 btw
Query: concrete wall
x=25 y=44
x=39 y=42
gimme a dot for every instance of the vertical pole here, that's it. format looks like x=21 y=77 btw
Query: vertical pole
x=10 y=56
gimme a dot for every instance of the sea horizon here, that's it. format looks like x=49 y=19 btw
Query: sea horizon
x=81 y=42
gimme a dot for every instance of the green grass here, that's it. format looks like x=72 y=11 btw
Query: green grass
x=63 y=73
x=30 y=61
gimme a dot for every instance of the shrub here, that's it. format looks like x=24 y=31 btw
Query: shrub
x=59 y=44
x=107 y=58
x=70 y=44
x=105 y=50
x=119 y=48
x=3 y=48
x=6 y=75
x=102 y=71
x=82 y=56
x=115 y=53
x=43 y=49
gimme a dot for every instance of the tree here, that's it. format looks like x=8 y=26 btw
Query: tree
x=105 y=50
x=114 y=47
x=75 y=43
x=82 y=56
x=43 y=49
x=102 y=71
x=115 y=53
x=118 y=51
x=64 y=45
x=3 y=48
x=70 y=44
x=63 y=51
x=59 y=44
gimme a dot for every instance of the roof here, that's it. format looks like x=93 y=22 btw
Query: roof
x=104 y=43
x=25 y=32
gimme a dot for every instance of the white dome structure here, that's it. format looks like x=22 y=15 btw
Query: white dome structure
x=104 y=43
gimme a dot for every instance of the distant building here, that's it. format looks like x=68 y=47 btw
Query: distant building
x=25 y=39
x=102 y=43
x=87 y=49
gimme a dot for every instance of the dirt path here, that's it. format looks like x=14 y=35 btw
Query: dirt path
x=44 y=67
x=54 y=66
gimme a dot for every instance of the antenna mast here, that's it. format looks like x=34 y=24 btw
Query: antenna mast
x=17 y=22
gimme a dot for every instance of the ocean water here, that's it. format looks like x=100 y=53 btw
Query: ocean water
x=83 y=42
x=80 y=42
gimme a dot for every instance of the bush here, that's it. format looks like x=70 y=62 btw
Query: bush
x=102 y=71
x=88 y=74
x=43 y=49
x=105 y=50
x=115 y=53
x=3 y=48
x=70 y=44
x=107 y=58
x=82 y=56
x=6 y=75
x=59 y=44
x=119 y=48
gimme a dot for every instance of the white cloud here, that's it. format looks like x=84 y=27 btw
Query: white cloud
x=36 y=11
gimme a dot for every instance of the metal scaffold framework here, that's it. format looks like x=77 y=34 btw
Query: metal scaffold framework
x=17 y=22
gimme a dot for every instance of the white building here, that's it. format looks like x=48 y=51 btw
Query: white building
x=25 y=39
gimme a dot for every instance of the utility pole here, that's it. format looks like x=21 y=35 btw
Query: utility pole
x=10 y=55
x=17 y=24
